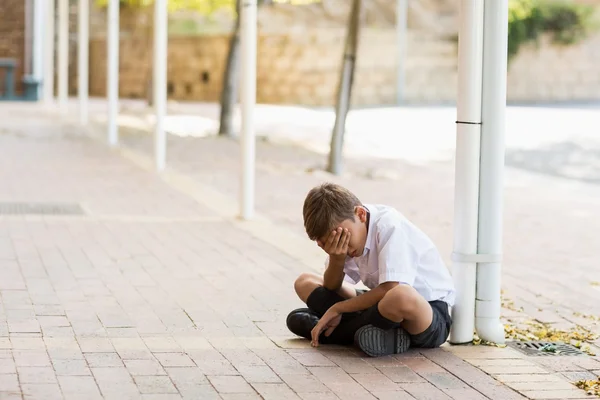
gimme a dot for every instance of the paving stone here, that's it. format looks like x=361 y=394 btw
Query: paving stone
x=36 y=375
x=464 y=394
x=71 y=367
x=144 y=367
x=553 y=394
x=304 y=383
x=103 y=360
x=9 y=383
x=50 y=391
x=375 y=382
x=154 y=384
x=274 y=391
x=230 y=384
x=78 y=385
x=258 y=374
x=424 y=391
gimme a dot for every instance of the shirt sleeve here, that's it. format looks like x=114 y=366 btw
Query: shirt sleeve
x=397 y=258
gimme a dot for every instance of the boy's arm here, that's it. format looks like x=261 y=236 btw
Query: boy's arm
x=365 y=300
x=334 y=274
x=337 y=248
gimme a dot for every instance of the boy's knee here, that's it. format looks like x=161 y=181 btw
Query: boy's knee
x=401 y=302
x=305 y=284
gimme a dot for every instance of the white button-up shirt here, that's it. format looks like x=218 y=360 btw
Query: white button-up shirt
x=398 y=251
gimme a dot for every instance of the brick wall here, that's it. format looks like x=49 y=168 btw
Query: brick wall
x=12 y=37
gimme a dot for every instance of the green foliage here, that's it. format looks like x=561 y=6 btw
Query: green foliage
x=205 y=7
x=566 y=22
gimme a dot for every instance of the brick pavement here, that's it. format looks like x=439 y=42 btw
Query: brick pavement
x=158 y=293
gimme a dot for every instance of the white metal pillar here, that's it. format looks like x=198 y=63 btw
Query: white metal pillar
x=468 y=132
x=63 y=54
x=38 y=43
x=112 y=71
x=401 y=37
x=248 y=101
x=487 y=312
x=160 y=82
x=82 y=59
x=49 y=35
x=29 y=31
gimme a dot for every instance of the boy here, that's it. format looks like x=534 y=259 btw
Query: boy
x=411 y=290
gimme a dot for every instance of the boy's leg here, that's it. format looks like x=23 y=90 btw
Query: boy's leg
x=427 y=324
x=403 y=304
x=322 y=299
x=437 y=333
x=418 y=317
x=309 y=288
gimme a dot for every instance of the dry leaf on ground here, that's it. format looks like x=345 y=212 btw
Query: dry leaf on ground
x=591 y=387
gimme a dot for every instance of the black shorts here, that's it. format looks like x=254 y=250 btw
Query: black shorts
x=439 y=330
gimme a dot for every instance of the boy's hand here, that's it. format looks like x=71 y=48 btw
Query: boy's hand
x=328 y=322
x=337 y=243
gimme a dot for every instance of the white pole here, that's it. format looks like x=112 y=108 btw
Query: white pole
x=160 y=81
x=63 y=54
x=470 y=60
x=401 y=32
x=82 y=61
x=248 y=101
x=38 y=42
x=29 y=28
x=48 y=83
x=487 y=313
x=112 y=68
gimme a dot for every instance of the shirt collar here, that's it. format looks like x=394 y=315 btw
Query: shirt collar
x=370 y=242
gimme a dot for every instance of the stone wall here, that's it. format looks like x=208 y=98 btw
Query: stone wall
x=548 y=72
x=12 y=38
x=303 y=68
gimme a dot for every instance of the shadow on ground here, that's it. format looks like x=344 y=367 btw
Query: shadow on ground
x=570 y=160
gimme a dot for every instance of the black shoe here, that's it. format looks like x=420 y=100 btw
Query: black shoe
x=377 y=342
x=302 y=321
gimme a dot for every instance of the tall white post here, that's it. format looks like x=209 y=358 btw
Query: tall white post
x=49 y=47
x=39 y=25
x=82 y=59
x=112 y=68
x=160 y=82
x=468 y=132
x=401 y=33
x=63 y=54
x=248 y=101
x=487 y=313
x=29 y=28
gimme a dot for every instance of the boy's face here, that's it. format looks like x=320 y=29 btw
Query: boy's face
x=358 y=232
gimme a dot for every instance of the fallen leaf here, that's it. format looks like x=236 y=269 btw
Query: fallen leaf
x=592 y=387
x=586 y=316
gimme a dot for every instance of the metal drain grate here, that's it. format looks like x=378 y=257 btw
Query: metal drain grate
x=41 y=209
x=535 y=349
